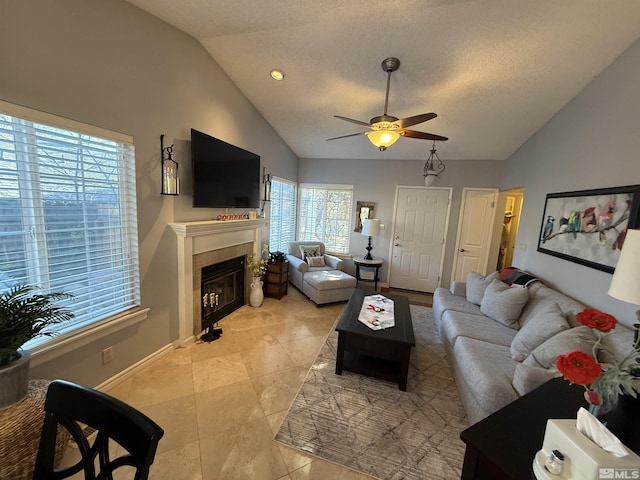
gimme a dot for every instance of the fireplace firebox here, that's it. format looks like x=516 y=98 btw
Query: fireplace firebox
x=222 y=290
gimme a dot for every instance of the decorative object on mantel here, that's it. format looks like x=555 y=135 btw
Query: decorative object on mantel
x=603 y=376
x=169 y=171
x=432 y=170
x=223 y=217
x=370 y=228
x=257 y=266
x=24 y=315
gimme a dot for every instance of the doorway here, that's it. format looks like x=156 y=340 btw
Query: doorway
x=420 y=227
x=510 y=225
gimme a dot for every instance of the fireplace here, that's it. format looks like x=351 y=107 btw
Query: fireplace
x=204 y=243
x=222 y=288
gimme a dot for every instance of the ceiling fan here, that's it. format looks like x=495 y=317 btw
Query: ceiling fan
x=386 y=129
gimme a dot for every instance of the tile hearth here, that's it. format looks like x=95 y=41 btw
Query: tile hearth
x=220 y=403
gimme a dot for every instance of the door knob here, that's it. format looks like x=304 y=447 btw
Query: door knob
x=397 y=245
x=462 y=250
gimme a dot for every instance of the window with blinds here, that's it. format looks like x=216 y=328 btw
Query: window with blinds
x=282 y=221
x=68 y=212
x=326 y=215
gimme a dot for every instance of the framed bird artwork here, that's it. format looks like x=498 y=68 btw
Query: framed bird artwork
x=589 y=226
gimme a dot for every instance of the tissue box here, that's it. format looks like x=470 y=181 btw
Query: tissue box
x=583 y=459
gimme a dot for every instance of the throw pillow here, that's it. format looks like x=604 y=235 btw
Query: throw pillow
x=504 y=303
x=543 y=326
x=511 y=275
x=577 y=338
x=309 y=251
x=477 y=284
x=315 y=261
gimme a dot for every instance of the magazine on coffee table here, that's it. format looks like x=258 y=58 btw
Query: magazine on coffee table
x=377 y=312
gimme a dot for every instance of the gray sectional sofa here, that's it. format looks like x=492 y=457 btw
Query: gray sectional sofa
x=502 y=339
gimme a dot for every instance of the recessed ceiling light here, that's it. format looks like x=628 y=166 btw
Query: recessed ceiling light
x=277 y=74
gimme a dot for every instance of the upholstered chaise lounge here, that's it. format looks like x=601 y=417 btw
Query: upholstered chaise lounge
x=318 y=275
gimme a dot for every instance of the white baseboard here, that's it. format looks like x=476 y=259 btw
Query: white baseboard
x=135 y=368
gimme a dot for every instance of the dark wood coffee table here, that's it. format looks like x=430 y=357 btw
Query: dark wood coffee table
x=381 y=354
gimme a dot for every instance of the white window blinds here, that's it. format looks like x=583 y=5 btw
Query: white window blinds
x=282 y=221
x=326 y=213
x=68 y=212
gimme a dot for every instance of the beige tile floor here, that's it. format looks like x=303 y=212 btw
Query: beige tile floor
x=221 y=403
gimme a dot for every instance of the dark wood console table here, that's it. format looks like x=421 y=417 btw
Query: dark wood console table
x=503 y=445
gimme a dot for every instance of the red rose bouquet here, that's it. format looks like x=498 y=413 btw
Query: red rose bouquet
x=603 y=376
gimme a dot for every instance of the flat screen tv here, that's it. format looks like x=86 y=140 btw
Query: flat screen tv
x=224 y=176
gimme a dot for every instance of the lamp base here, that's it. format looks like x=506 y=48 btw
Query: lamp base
x=369 y=248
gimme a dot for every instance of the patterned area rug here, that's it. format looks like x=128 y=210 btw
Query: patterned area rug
x=370 y=426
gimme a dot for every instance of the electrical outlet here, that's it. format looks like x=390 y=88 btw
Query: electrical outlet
x=107 y=355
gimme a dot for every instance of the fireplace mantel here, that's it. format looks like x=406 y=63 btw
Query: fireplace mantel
x=204 y=236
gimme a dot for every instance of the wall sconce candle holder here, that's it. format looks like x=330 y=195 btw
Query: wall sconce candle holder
x=169 y=170
x=266 y=180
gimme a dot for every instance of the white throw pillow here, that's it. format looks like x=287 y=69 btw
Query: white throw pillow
x=477 y=284
x=543 y=326
x=315 y=261
x=503 y=303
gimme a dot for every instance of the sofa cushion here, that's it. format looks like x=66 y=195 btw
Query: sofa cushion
x=540 y=296
x=459 y=324
x=545 y=325
x=309 y=251
x=488 y=371
x=315 y=261
x=503 y=303
x=527 y=377
x=477 y=284
x=577 y=338
x=329 y=280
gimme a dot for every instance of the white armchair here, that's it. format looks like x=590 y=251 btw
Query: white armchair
x=298 y=267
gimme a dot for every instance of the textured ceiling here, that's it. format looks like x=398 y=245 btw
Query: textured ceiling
x=494 y=71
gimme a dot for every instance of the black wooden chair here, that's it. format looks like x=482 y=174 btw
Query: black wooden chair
x=67 y=404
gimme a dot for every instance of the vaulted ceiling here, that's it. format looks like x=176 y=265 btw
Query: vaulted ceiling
x=494 y=71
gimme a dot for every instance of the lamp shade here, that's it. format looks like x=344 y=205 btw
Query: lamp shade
x=371 y=227
x=625 y=284
x=383 y=138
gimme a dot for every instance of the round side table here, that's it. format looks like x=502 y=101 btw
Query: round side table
x=20 y=430
x=375 y=264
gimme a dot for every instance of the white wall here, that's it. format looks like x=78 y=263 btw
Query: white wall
x=376 y=181
x=593 y=142
x=110 y=64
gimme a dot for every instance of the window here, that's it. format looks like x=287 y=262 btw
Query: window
x=68 y=212
x=326 y=213
x=282 y=223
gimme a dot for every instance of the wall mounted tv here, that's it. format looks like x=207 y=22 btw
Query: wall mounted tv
x=224 y=176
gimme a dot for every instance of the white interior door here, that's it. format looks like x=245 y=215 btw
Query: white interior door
x=475 y=228
x=420 y=227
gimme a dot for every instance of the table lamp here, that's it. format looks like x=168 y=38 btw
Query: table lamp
x=625 y=284
x=370 y=228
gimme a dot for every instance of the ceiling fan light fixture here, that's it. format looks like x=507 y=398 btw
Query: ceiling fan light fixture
x=432 y=170
x=383 y=138
x=277 y=74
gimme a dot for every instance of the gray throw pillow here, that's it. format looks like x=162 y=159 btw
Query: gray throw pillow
x=503 y=303
x=477 y=284
x=543 y=326
x=578 y=338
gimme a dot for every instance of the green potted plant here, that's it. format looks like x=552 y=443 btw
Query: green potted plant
x=24 y=314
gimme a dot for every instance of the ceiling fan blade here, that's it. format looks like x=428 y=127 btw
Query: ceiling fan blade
x=347 y=119
x=345 y=136
x=423 y=135
x=409 y=121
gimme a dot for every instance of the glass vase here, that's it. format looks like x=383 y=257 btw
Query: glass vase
x=608 y=403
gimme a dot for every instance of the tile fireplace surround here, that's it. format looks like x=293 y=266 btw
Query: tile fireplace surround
x=205 y=243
